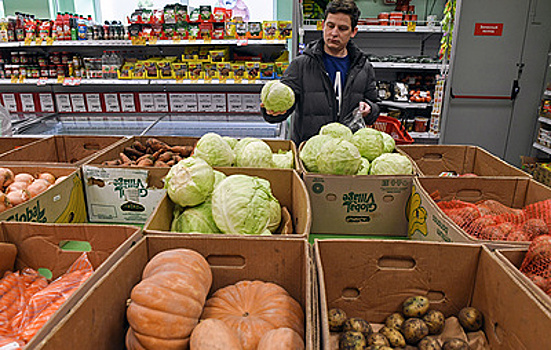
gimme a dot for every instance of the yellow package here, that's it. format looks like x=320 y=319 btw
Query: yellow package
x=253 y=70
x=267 y=71
x=139 y=71
x=204 y=55
x=224 y=70
x=190 y=53
x=165 y=70
x=151 y=71
x=238 y=70
x=270 y=29
x=125 y=72
x=180 y=70
x=210 y=70
x=195 y=70
x=285 y=29
x=217 y=55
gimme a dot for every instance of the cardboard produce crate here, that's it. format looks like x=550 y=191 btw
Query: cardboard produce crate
x=99 y=319
x=358 y=204
x=432 y=160
x=10 y=143
x=109 y=188
x=371 y=280
x=512 y=259
x=286 y=185
x=428 y=222
x=61 y=203
x=60 y=149
x=45 y=247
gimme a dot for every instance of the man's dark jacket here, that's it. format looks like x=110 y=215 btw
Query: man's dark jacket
x=316 y=103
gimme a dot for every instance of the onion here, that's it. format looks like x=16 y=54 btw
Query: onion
x=24 y=177
x=18 y=197
x=4 y=202
x=37 y=187
x=59 y=179
x=48 y=177
x=16 y=186
x=6 y=177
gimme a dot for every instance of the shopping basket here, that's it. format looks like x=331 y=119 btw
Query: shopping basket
x=394 y=128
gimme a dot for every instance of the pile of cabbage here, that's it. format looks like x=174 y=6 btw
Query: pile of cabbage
x=208 y=201
x=249 y=152
x=336 y=150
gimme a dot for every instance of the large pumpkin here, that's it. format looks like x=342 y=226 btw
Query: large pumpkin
x=166 y=305
x=281 y=339
x=252 y=308
x=213 y=334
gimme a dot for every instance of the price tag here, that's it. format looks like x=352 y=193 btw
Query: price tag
x=28 y=41
x=39 y=41
x=161 y=102
x=179 y=80
x=127 y=102
x=219 y=103
x=208 y=80
x=205 y=102
x=111 y=103
x=238 y=80
x=27 y=102
x=46 y=102
x=190 y=102
x=77 y=101
x=242 y=42
x=10 y=102
x=135 y=40
x=177 y=102
x=223 y=80
x=67 y=81
x=41 y=81
x=235 y=103
x=146 y=103
x=94 y=103
x=412 y=26
x=251 y=102
x=176 y=40
x=49 y=41
x=319 y=25
x=63 y=103
x=207 y=40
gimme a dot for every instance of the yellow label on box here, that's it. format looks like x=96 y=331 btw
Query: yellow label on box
x=207 y=40
x=13 y=79
x=49 y=41
x=39 y=41
x=412 y=26
x=208 y=80
x=28 y=41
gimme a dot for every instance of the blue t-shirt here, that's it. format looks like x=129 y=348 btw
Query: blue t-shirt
x=337 y=66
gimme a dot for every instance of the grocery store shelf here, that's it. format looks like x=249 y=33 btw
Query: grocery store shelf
x=395 y=65
x=405 y=105
x=202 y=81
x=87 y=43
x=547 y=93
x=544 y=120
x=69 y=82
x=423 y=135
x=385 y=29
x=542 y=148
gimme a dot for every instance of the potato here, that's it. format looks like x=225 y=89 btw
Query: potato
x=378 y=347
x=336 y=319
x=414 y=329
x=394 y=321
x=395 y=338
x=435 y=321
x=377 y=339
x=415 y=306
x=455 y=344
x=357 y=325
x=429 y=343
x=471 y=319
x=352 y=341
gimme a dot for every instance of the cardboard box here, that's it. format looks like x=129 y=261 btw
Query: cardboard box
x=61 y=203
x=130 y=194
x=43 y=246
x=436 y=159
x=358 y=204
x=371 y=280
x=512 y=259
x=62 y=149
x=9 y=143
x=428 y=222
x=286 y=185
x=99 y=319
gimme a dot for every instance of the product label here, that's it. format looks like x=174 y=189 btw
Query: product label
x=359 y=202
x=46 y=102
x=27 y=102
x=111 y=103
x=219 y=103
x=78 y=103
x=34 y=214
x=205 y=102
x=146 y=103
x=176 y=102
x=63 y=103
x=190 y=102
x=127 y=102
x=251 y=103
x=9 y=102
x=235 y=104
x=488 y=29
x=161 y=102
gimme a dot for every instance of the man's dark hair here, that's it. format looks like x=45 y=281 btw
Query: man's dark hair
x=348 y=7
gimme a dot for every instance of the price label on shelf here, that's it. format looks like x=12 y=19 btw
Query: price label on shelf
x=21 y=79
x=176 y=40
x=205 y=102
x=46 y=102
x=319 y=25
x=208 y=80
x=49 y=41
x=161 y=102
x=412 y=26
x=14 y=79
x=77 y=101
x=39 y=41
x=60 y=79
x=219 y=103
x=111 y=103
x=242 y=42
x=152 y=40
x=28 y=41
x=223 y=80
x=27 y=102
x=127 y=103
x=179 y=80
x=251 y=102
x=63 y=103
x=10 y=102
x=176 y=102
x=237 y=80
x=146 y=103
x=235 y=103
x=41 y=81
x=207 y=40
x=190 y=102
x=94 y=103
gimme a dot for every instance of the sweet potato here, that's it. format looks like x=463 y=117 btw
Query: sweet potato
x=139 y=146
x=176 y=158
x=124 y=158
x=113 y=162
x=160 y=164
x=132 y=153
x=156 y=144
x=148 y=161
x=170 y=162
x=165 y=157
x=183 y=151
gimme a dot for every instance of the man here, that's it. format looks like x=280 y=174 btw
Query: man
x=331 y=79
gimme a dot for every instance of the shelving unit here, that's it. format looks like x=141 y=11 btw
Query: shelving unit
x=543 y=126
x=76 y=82
x=542 y=148
x=119 y=43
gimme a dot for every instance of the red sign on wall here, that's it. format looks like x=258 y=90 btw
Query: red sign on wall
x=488 y=29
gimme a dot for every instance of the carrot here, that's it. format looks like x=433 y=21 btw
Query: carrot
x=124 y=158
x=160 y=164
x=145 y=162
x=156 y=144
x=139 y=146
x=166 y=156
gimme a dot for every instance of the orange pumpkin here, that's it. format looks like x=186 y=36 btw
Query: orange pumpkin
x=166 y=305
x=213 y=334
x=281 y=339
x=253 y=308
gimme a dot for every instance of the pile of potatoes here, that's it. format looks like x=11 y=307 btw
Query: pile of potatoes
x=18 y=188
x=416 y=327
x=153 y=153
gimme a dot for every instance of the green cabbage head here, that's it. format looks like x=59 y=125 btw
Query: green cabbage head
x=337 y=130
x=218 y=177
x=241 y=204
x=195 y=219
x=369 y=142
x=242 y=143
x=283 y=159
x=256 y=155
x=189 y=182
x=230 y=140
x=339 y=157
x=310 y=151
x=215 y=150
x=391 y=164
x=277 y=96
x=364 y=167
x=388 y=143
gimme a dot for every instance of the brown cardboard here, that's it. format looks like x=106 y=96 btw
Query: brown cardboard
x=286 y=185
x=60 y=149
x=8 y=252
x=40 y=246
x=61 y=203
x=371 y=279
x=9 y=143
x=99 y=319
x=432 y=160
x=512 y=259
x=358 y=204
x=428 y=222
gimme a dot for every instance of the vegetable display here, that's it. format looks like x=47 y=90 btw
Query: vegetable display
x=19 y=188
x=154 y=153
